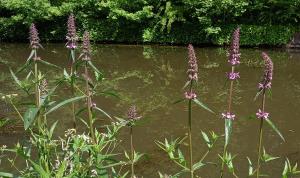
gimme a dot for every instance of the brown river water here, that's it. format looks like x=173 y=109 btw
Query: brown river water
x=152 y=77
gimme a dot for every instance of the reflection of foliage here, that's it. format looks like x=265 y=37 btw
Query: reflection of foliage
x=222 y=95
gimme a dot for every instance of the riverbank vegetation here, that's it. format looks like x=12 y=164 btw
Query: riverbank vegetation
x=202 y=22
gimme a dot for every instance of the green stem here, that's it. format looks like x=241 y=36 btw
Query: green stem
x=73 y=72
x=132 y=152
x=89 y=103
x=37 y=90
x=260 y=139
x=229 y=110
x=223 y=162
x=190 y=133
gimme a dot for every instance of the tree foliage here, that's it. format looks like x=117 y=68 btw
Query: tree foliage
x=149 y=20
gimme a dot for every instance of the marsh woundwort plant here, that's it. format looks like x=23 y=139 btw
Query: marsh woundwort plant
x=234 y=60
x=86 y=57
x=132 y=118
x=72 y=45
x=35 y=45
x=264 y=85
x=190 y=95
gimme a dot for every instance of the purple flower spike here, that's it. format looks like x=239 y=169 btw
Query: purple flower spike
x=71 y=35
x=193 y=66
x=132 y=113
x=233 y=75
x=234 y=53
x=262 y=115
x=34 y=37
x=228 y=115
x=190 y=95
x=86 y=47
x=268 y=73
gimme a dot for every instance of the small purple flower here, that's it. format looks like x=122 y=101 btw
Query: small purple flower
x=71 y=35
x=234 y=52
x=86 y=47
x=233 y=75
x=193 y=66
x=132 y=114
x=228 y=115
x=34 y=37
x=268 y=73
x=190 y=95
x=262 y=115
x=93 y=105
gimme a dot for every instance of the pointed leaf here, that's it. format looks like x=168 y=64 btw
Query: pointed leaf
x=275 y=128
x=30 y=116
x=228 y=130
x=202 y=105
x=71 y=100
x=5 y=174
x=94 y=67
x=198 y=166
x=31 y=55
x=48 y=64
x=42 y=173
x=103 y=112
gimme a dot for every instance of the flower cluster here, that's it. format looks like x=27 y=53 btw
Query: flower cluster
x=190 y=95
x=233 y=75
x=234 y=53
x=132 y=113
x=71 y=35
x=34 y=37
x=193 y=66
x=43 y=88
x=228 y=115
x=262 y=115
x=86 y=47
x=268 y=73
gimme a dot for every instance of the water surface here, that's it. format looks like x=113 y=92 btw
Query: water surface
x=152 y=77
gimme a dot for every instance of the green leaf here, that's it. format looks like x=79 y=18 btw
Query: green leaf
x=178 y=101
x=61 y=169
x=202 y=105
x=71 y=100
x=17 y=80
x=30 y=56
x=49 y=64
x=275 y=128
x=250 y=173
x=186 y=84
x=42 y=173
x=198 y=166
x=103 y=112
x=228 y=130
x=52 y=129
x=94 y=67
x=73 y=56
x=30 y=116
x=5 y=174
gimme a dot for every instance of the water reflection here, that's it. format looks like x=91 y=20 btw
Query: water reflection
x=152 y=78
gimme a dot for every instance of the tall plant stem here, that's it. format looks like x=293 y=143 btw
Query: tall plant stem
x=89 y=102
x=229 y=110
x=190 y=132
x=132 y=152
x=260 y=139
x=37 y=90
x=73 y=72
